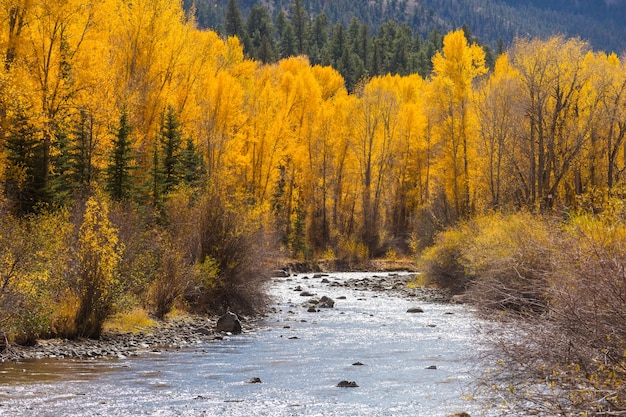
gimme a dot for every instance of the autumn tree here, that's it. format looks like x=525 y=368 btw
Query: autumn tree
x=552 y=77
x=455 y=69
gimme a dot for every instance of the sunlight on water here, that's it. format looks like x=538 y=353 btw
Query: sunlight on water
x=299 y=356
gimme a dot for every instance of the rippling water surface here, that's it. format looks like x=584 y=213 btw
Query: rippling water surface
x=299 y=356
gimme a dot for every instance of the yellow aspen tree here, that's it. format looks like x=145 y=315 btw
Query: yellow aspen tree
x=98 y=281
x=410 y=154
x=148 y=39
x=552 y=79
x=54 y=48
x=373 y=147
x=253 y=154
x=455 y=69
x=603 y=160
x=498 y=115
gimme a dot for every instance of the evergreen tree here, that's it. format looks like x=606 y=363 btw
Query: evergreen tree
x=235 y=26
x=300 y=24
x=192 y=164
x=259 y=28
x=280 y=23
x=119 y=182
x=170 y=144
x=72 y=158
x=61 y=181
x=234 y=21
x=287 y=43
x=24 y=164
x=319 y=38
x=83 y=170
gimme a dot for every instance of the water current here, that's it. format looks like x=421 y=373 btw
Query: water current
x=299 y=356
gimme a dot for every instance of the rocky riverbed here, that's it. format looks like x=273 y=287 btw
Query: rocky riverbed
x=165 y=335
x=187 y=331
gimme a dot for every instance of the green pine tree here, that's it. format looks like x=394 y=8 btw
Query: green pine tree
x=119 y=183
x=24 y=171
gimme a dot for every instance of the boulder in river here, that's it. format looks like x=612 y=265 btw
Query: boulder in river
x=326 y=302
x=306 y=294
x=254 y=380
x=229 y=322
x=415 y=310
x=347 y=384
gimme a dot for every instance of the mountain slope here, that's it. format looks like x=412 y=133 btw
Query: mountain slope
x=598 y=21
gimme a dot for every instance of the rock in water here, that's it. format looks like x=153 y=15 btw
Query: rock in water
x=229 y=322
x=347 y=384
x=326 y=302
x=415 y=310
x=254 y=380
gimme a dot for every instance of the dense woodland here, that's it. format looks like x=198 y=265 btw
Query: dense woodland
x=598 y=21
x=147 y=163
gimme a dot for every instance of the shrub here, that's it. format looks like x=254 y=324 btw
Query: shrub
x=569 y=356
x=173 y=277
x=510 y=257
x=33 y=257
x=501 y=259
x=97 y=278
x=442 y=264
x=234 y=256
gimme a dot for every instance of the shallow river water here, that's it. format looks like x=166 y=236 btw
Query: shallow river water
x=299 y=357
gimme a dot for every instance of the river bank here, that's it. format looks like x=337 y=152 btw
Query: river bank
x=187 y=331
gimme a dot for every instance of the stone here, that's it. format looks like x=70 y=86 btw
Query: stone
x=326 y=302
x=415 y=310
x=254 y=380
x=347 y=384
x=461 y=414
x=306 y=294
x=204 y=330
x=229 y=323
x=280 y=273
x=357 y=364
x=431 y=367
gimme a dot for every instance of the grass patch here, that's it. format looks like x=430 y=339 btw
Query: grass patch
x=132 y=322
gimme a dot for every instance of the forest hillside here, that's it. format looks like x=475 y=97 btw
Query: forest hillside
x=600 y=22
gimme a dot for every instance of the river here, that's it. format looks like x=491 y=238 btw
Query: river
x=299 y=356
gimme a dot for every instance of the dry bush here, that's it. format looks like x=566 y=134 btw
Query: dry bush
x=173 y=276
x=234 y=255
x=442 y=264
x=500 y=260
x=509 y=257
x=567 y=358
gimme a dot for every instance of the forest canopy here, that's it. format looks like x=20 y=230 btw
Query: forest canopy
x=135 y=98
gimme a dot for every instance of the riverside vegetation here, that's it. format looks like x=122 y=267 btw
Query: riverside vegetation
x=147 y=164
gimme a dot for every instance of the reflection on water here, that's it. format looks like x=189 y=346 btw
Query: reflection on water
x=299 y=357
